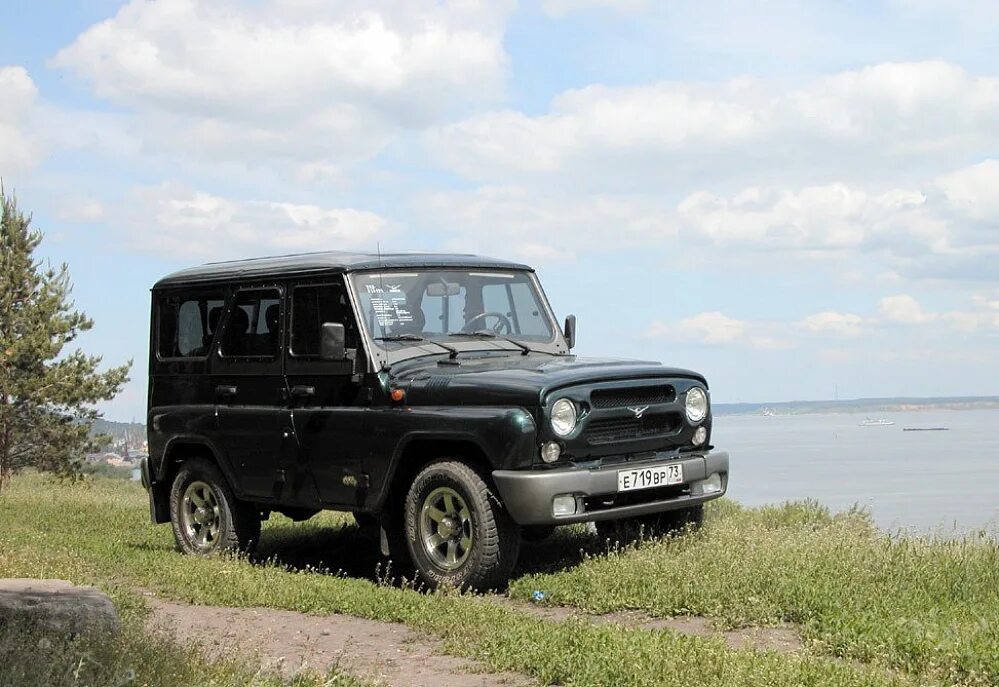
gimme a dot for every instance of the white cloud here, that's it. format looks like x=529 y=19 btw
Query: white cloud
x=903 y=309
x=18 y=147
x=834 y=323
x=708 y=327
x=531 y=225
x=878 y=114
x=305 y=80
x=716 y=328
x=944 y=227
x=834 y=216
x=973 y=190
x=559 y=8
x=174 y=220
x=81 y=210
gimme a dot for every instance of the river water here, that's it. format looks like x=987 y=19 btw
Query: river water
x=942 y=482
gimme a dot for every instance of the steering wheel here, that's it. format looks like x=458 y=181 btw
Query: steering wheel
x=502 y=325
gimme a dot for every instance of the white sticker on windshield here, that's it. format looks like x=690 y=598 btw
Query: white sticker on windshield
x=389 y=304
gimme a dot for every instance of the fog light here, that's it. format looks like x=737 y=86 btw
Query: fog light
x=564 y=505
x=712 y=485
x=550 y=451
x=700 y=436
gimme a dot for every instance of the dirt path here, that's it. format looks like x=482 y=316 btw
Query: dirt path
x=288 y=641
x=783 y=639
x=390 y=653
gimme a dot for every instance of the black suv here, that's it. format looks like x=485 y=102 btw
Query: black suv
x=431 y=395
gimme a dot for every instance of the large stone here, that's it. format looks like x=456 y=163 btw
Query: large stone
x=58 y=605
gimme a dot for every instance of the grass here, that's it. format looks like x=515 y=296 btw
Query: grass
x=922 y=605
x=31 y=656
x=921 y=610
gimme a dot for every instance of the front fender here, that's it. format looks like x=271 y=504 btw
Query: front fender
x=506 y=436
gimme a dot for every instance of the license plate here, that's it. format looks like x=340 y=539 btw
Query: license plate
x=648 y=478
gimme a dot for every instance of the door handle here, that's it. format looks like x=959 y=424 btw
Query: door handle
x=302 y=391
x=225 y=391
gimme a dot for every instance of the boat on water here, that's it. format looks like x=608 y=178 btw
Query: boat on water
x=926 y=429
x=769 y=412
x=876 y=422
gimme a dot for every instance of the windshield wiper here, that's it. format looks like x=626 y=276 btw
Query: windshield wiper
x=486 y=334
x=452 y=352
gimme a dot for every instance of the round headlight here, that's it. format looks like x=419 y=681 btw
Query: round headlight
x=697 y=404
x=563 y=417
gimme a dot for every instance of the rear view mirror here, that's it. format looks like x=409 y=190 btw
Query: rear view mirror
x=570 y=331
x=441 y=289
x=332 y=343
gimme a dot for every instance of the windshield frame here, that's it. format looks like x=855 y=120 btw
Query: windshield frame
x=386 y=353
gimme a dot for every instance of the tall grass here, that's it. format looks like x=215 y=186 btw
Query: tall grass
x=763 y=566
x=923 y=604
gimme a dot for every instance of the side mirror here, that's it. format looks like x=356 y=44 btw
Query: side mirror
x=332 y=343
x=570 y=331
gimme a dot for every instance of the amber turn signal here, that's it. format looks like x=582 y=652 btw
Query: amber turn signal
x=397 y=395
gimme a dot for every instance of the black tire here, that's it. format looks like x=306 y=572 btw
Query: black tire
x=475 y=516
x=652 y=526
x=226 y=524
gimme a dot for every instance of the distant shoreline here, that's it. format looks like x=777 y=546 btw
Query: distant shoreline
x=859 y=405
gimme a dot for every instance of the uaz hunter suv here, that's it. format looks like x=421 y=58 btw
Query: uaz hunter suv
x=433 y=396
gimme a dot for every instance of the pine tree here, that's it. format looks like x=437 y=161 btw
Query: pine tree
x=46 y=395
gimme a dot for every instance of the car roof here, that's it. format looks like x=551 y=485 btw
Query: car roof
x=327 y=262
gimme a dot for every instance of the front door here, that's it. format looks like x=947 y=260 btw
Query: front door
x=250 y=391
x=329 y=422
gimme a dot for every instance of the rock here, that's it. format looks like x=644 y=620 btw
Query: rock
x=58 y=605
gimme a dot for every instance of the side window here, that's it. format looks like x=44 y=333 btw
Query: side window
x=311 y=307
x=187 y=323
x=254 y=326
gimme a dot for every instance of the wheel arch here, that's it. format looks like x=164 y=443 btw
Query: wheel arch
x=419 y=450
x=176 y=451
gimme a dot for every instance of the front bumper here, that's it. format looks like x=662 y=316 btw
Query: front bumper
x=528 y=494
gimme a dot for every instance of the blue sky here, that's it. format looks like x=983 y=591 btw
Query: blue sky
x=796 y=198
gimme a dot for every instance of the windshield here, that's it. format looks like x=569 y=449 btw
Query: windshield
x=451 y=306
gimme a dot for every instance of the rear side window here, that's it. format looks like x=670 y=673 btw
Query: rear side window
x=254 y=326
x=187 y=323
x=311 y=307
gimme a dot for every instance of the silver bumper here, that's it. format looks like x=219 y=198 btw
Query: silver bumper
x=528 y=494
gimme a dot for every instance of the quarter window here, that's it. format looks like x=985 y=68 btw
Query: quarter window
x=254 y=326
x=187 y=324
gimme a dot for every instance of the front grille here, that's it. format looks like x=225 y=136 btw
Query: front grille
x=611 y=430
x=633 y=396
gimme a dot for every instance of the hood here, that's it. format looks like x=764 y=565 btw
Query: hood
x=513 y=379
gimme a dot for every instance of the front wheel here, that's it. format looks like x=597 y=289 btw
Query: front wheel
x=457 y=532
x=205 y=515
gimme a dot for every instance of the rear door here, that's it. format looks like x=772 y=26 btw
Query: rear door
x=328 y=413
x=250 y=390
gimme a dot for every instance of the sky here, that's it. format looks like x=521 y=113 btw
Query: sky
x=798 y=199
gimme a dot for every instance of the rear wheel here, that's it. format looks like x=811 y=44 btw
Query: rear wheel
x=652 y=526
x=205 y=515
x=457 y=532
